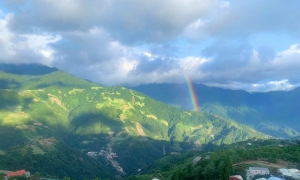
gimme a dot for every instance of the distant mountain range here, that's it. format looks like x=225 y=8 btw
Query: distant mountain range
x=275 y=113
x=38 y=102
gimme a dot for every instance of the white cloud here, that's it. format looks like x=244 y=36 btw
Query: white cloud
x=131 y=42
x=288 y=59
x=25 y=48
x=281 y=85
x=192 y=63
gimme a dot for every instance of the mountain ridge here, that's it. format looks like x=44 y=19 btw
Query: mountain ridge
x=90 y=117
x=274 y=113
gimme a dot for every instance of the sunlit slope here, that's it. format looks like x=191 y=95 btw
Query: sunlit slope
x=275 y=113
x=65 y=103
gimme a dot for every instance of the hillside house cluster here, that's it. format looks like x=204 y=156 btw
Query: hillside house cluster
x=108 y=155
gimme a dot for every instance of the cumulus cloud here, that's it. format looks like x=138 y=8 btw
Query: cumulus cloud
x=25 y=48
x=257 y=68
x=281 y=85
x=128 y=21
x=132 y=42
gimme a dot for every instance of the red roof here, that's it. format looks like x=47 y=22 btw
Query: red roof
x=233 y=178
x=236 y=177
x=16 y=173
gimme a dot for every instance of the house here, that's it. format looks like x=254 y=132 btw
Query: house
x=18 y=173
x=197 y=159
x=207 y=157
x=258 y=171
x=294 y=170
x=235 y=177
x=290 y=173
x=296 y=176
x=92 y=153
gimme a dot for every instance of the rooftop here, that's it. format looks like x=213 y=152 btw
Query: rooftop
x=258 y=168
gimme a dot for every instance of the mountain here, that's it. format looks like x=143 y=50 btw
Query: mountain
x=275 y=113
x=125 y=127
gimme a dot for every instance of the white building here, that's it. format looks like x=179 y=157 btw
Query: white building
x=197 y=159
x=296 y=176
x=290 y=173
x=258 y=171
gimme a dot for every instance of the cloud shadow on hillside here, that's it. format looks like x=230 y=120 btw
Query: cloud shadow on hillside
x=26 y=69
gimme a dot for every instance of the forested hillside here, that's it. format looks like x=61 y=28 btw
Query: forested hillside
x=229 y=160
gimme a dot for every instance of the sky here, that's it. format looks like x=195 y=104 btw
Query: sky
x=236 y=44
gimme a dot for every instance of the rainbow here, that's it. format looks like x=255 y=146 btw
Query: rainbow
x=192 y=93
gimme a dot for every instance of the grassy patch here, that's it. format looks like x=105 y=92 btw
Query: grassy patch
x=139 y=104
x=96 y=88
x=151 y=116
x=75 y=91
x=36 y=150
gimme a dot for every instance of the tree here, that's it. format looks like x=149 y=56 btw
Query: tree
x=66 y=178
x=17 y=178
x=225 y=169
x=2 y=176
x=36 y=176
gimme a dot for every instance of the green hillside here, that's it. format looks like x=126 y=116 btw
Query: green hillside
x=49 y=157
x=228 y=160
x=274 y=113
x=90 y=118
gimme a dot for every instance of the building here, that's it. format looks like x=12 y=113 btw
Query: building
x=235 y=177
x=197 y=159
x=92 y=153
x=258 y=171
x=18 y=173
x=207 y=157
x=296 y=176
x=290 y=173
x=294 y=170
